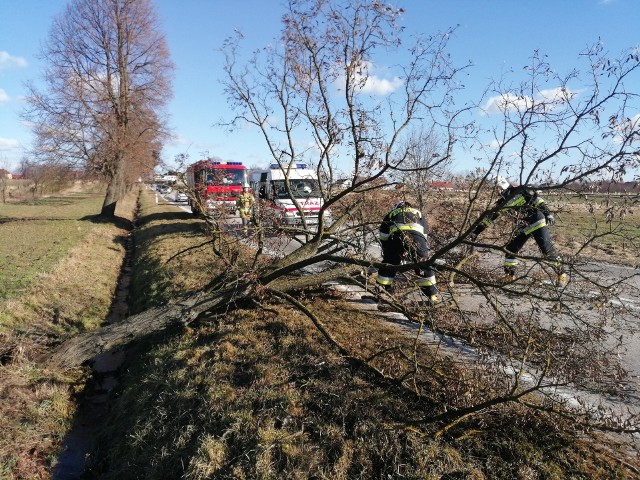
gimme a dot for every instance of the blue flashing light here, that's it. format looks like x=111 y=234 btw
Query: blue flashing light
x=234 y=163
x=298 y=165
x=215 y=163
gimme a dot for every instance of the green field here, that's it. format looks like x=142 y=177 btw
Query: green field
x=35 y=235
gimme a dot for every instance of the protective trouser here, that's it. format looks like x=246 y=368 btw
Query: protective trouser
x=245 y=216
x=412 y=247
x=540 y=232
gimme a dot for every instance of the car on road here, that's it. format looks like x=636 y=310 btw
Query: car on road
x=163 y=189
x=179 y=196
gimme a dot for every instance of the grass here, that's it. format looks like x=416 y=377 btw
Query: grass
x=598 y=229
x=67 y=265
x=254 y=393
x=34 y=236
x=258 y=393
x=604 y=228
x=261 y=395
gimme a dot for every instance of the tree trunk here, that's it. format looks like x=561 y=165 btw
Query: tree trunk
x=115 y=189
x=82 y=348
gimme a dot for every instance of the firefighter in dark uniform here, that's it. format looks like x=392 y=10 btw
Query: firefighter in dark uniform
x=532 y=217
x=403 y=234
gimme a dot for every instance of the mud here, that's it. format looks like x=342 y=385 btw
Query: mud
x=93 y=403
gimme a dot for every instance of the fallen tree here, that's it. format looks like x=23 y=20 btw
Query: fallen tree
x=294 y=82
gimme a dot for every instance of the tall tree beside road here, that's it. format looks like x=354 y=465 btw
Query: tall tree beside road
x=106 y=82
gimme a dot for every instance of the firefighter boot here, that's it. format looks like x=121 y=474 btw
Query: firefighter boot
x=562 y=279
x=433 y=297
x=509 y=275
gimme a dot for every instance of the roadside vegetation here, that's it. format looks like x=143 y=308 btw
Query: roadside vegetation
x=597 y=225
x=591 y=226
x=60 y=265
x=256 y=392
x=261 y=393
x=37 y=233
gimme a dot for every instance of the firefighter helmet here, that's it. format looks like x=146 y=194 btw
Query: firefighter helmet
x=402 y=204
x=502 y=182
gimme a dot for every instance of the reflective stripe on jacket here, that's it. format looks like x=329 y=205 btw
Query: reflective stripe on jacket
x=523 y=205
x=406 y=219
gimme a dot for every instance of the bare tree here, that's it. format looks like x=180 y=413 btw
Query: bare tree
x=107 y=79
x=315 y=87
x=422 y=165
x=4 y=179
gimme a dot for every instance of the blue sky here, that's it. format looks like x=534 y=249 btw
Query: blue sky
x=494 y=35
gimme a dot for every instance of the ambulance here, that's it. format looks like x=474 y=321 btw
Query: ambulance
x=269 y=186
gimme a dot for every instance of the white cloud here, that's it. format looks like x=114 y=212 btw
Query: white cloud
x=3 y=96
x=381 y=86
x=374 y=84
x=545 y=101
x=8 y=144
x=8 y=61
x=505 y=102
x=557 y=95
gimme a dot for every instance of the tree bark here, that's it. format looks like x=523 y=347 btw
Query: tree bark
x=82 y=348
x=115 y=189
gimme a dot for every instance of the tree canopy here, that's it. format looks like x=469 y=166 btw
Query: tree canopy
x=106 y=82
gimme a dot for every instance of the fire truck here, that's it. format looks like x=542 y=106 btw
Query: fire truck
x=215 y=185
x=270 y=186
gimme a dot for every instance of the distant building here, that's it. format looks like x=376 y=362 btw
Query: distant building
x=441 y=185
x=5 y=174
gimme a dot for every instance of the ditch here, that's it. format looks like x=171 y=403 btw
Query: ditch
x=94 y=401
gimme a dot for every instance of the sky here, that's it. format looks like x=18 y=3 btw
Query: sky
x=496 y=35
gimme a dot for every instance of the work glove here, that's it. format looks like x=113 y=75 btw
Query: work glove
x=551 y=220
x=472 y=237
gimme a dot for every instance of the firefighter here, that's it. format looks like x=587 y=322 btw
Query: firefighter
x=532 y=218
x=403 y=235
x=244 y=204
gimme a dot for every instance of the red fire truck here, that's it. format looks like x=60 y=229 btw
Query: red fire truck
x=215 y=185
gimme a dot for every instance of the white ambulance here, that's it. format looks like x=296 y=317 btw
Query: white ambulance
x=269 y=186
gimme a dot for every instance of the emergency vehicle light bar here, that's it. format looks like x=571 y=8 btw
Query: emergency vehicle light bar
x=234 y=163
x=298 y=165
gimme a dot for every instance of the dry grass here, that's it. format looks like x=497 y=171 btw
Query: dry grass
x=70 y=291
x=258 y=393
x=600 y=230
x=607 y=229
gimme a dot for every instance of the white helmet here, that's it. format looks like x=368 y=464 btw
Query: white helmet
x=402 y=203
x=245 y=185
x=502 y=182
